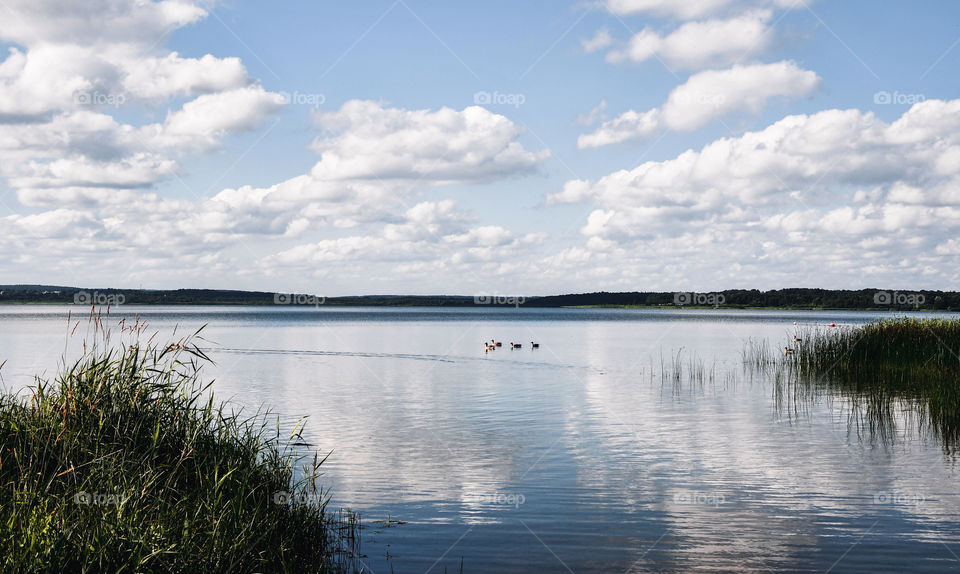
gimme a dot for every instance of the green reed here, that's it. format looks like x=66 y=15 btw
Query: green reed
x=891 y=366
x=124 y=463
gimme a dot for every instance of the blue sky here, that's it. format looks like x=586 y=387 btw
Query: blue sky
x=339 y=147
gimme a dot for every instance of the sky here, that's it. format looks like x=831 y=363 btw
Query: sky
x=514 y=148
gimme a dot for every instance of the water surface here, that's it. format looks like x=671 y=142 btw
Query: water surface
x=578 y=456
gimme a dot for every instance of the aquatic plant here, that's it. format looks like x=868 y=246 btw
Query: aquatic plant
x=124 y=462
x=888 y=367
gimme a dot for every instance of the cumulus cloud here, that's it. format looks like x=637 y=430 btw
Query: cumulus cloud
x=711 y=94
x=96 y=22
x=202 y=122
x=72 y=71
x=172 y=75
x=628 y=125
x=699 y=44
x=372 y=160
x=688 y=9
x=596 y=114
x=392 y=154
x=823 y=192
x=599 y=41
x=366 y=140
x=430 y=237
x=799 y=150
x=75 y=66
x=372 y=156
x=706 y=96
x=823 y=196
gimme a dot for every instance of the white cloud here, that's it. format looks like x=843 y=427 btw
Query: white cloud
x=202 y=122
x=96 y=22
x=430 y=237
x=366 y=140
x=76 y=66
x=373 y=157
x=295 y=218
x=830 y=195
x=711 y=94
x=672 y=8
x=827 y=194
x=176 y=76
x=700 y=44
x=949 y=247
x=628 y=125
x=705 y=97
x=600 y=40
x=596 y=114
x=688 y=9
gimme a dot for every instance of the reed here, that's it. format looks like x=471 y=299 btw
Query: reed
x=125 y=463
x=691 y=370
x=887 y=366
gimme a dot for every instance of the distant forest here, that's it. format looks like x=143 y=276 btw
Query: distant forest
x=799 y=298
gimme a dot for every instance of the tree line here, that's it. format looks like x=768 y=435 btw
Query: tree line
x=794 y=298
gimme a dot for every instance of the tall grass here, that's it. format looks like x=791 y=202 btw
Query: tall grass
x=694 y=370
x=888 y=366
x=125 y=463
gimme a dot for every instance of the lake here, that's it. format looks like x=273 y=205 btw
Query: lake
x=579 y=456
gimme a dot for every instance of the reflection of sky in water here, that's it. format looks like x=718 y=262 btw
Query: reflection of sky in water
x=575 y=455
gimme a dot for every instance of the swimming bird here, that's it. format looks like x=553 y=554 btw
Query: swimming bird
x=498 y=343
x=797 y=339
x=515 y=345
x=787 y=351
x=534 y=345
x=488 y=347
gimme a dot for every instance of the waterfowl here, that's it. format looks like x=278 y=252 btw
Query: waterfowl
x=797 y=339
x=488 y=347
x=515 y=345
x=534 y=345
x=498 y=343
x=787 y=351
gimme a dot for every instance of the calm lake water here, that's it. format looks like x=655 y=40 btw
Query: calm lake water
x=574 y=457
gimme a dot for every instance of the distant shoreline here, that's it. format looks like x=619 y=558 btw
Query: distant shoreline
x=424 y=306
x=778 y=299
x=743 y=307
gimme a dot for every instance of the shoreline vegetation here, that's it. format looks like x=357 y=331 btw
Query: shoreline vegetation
x=124 y=462
x=890 y=371
x=783 y=299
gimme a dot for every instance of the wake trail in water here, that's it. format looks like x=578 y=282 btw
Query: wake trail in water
x=371 y=355
x=435 y=358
